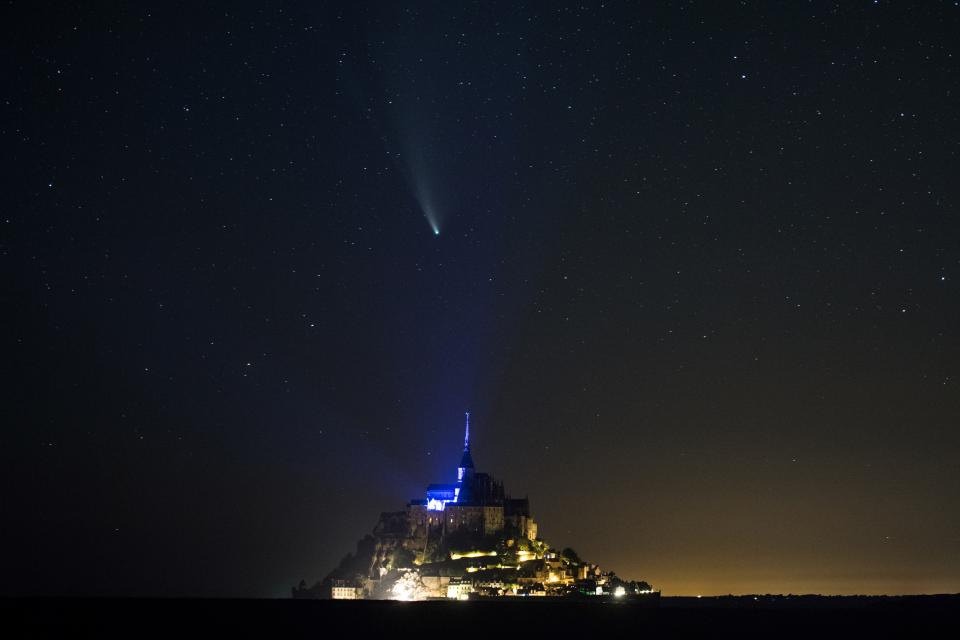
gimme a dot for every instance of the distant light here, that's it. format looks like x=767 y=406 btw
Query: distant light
x=599 y=591
x=619 y=592
x=402 y=592
x=473 y=554
x=436 y=231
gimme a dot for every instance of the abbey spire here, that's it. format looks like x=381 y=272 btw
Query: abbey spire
x=466 y=461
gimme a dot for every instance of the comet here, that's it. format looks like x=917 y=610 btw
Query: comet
x=422 y=162
x=425 y=199
x=431 y=220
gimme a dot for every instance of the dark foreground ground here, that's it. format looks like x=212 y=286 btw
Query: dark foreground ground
x=808 y=617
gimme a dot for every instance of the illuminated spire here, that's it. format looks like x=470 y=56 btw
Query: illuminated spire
x=466 y=461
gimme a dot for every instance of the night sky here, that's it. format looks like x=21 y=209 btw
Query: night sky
x=694 y=267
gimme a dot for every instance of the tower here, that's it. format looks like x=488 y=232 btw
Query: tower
x=466 y=460
x=438 y=495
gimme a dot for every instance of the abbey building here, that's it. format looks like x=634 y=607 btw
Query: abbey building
x=475 y=503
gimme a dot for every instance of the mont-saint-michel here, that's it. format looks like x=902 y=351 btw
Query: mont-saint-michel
x=468 y=539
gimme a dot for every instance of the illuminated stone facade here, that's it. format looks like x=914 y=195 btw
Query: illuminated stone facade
x=459 y=589
x=344 y=590
x=492 y=519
